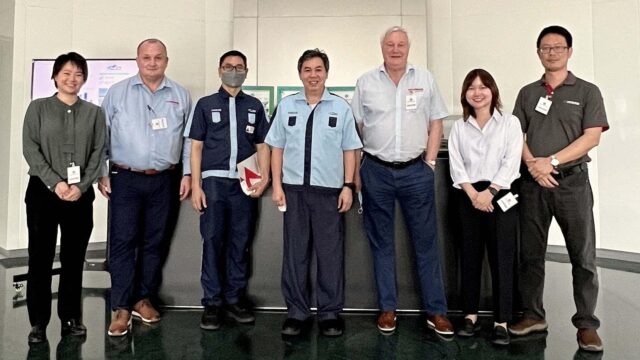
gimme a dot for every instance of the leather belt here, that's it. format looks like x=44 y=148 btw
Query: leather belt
x=563 y=173
x=150 y=172
x=394 y=164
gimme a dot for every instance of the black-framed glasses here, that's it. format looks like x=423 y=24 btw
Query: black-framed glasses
x=556 y=49
x=229 y=68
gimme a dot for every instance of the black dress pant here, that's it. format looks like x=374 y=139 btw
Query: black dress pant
x=45 y=212
x=498 y=231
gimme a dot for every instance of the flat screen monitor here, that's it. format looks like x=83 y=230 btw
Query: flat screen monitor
x=102 y=74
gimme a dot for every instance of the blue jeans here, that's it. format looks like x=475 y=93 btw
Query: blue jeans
x=413 y=186
x=227 y=226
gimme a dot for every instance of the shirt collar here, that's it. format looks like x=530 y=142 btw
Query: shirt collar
x=225 y=94
x=409 y=67
x=299 y=96
x=569 y=80
x=137 y=80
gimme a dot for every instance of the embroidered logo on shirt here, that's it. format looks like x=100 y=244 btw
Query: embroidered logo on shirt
x=173 y=102
x=572 y=102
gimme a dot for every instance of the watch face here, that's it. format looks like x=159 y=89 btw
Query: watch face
x=555 y=162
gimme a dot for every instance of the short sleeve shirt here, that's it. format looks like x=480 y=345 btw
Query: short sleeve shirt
x=395 y=119
x=313 y=139
x=229 y=128
x=576 y=105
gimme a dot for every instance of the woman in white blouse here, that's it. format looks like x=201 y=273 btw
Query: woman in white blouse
x=485 y=147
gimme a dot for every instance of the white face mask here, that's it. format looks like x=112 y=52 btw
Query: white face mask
x=233 y=78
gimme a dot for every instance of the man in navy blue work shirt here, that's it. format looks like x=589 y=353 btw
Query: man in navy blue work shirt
x=146 y=118
x=227 y=128
x=313 y=139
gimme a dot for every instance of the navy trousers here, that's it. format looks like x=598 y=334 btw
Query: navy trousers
x=227 y=227
x=413 y=187
x=312 y=224
x=45 y=212
x=140 y=206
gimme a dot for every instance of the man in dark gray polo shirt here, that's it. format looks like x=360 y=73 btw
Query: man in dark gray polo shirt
x=562 y=118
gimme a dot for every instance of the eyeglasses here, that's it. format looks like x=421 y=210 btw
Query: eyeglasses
x=556 y=49
x=229 y=68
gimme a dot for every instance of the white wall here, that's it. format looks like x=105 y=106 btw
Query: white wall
x=195 y=32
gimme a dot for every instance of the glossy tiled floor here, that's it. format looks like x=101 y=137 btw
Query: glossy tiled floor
x=179 y=337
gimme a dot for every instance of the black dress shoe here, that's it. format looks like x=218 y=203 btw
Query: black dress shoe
x=331 y=327
x=241 y=312
x=469 y=328
x=210 y=318
x=37 y=335
x=500 y=335
x=73 y=327
x=291 y=327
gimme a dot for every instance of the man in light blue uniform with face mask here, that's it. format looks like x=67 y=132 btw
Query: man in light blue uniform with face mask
x=227 y=127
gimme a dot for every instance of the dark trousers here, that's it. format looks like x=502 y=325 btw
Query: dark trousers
x=45 y=212
x=227 y=227
x=413 y=187
x=140 y=206
x=571 y=204
x=498 y=232
x=312 y=223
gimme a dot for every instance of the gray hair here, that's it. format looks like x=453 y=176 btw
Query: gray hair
x=395 y=28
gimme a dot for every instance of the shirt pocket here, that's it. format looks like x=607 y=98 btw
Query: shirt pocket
x=292 y=121
x=215 y=117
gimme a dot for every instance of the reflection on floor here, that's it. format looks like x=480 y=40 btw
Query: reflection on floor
x=178 y=336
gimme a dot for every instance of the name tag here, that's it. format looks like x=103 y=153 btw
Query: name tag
x=73 y=174
x=508 y=201
x=543 y=105
x=411 y=102
x=159 y=123
x=249 y=129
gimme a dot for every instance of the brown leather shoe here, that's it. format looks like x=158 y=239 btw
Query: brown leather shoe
x=589 y=340
x=120 y=323
x=145 y=311
x=387 y=321
x=527 y=326
x=440 y=324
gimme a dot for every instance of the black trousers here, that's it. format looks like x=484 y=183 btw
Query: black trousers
x=45 y=213
x=571 y=204
x=498 y=232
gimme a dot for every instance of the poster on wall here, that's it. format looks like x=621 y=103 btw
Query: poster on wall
x=345 y=92
x=264 y=94
x=102 y=74
x=288 y=90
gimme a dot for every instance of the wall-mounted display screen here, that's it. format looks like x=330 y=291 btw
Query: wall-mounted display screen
x=102 y=74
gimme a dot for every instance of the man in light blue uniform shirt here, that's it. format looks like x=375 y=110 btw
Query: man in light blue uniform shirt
x=146 y=118
x=399 y=110
x=313 y=138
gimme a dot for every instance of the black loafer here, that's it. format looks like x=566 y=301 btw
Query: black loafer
x=210 y=318
x=500 y=335
x=73 y=327
x=469 y=328
x=291 y=327
x=331 y=327
x=241 y=312
x=37 y=335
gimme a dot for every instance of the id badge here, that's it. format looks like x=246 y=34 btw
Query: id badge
x=543 y=105
x=508 y=201
x=73 y=174
x=249 y=129
x=411 y=102
x=159 y=123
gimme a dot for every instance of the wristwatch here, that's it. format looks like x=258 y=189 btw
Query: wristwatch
x=554 y=161
x=493 y=190
x=350 y=185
